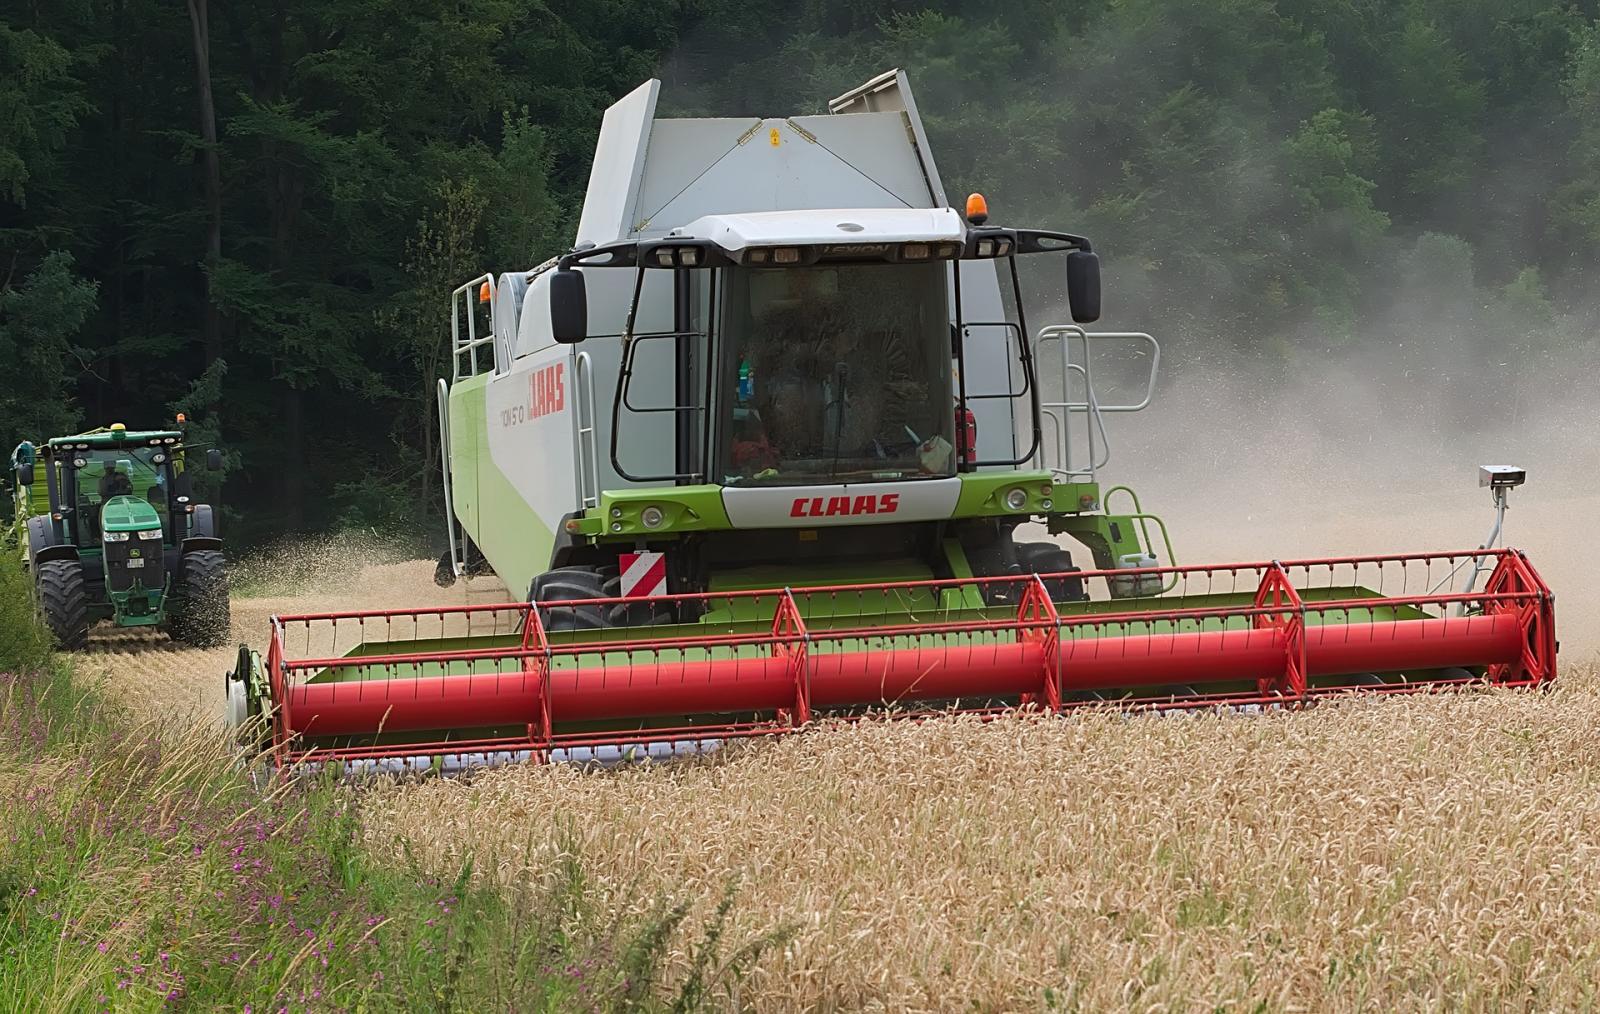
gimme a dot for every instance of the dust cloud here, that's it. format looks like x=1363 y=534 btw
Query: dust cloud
x=1372 y=449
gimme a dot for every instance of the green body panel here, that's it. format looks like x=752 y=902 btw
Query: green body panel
x=510 y=534
x=137 y=606
x=129 y=514
x=825 y=612
x=683 y=508
x=983 y=493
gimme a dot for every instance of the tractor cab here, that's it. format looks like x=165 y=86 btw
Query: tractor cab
x=112 y=533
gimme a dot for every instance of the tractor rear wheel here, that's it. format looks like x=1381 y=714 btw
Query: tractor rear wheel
x=1049 y=558
x=200 y=607
x=63 y=601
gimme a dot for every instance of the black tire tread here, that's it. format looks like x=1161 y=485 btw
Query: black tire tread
x=64 y=602
x=1049 y=558
x=200 y=610
x=570 y=584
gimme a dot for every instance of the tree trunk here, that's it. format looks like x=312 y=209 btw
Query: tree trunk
x=199 y=23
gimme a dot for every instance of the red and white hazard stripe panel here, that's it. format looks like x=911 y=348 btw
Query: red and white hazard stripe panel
x=643 y=574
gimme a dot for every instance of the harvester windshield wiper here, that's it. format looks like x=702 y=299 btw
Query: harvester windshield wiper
x=842 y=371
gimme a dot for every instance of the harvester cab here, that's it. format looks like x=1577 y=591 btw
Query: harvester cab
x=109 y=531
x=777 y=356
x=761 y=446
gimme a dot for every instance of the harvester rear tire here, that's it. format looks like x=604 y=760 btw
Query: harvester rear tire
x=200 y=612
x=571 y=584
x=1049 y=558
x=64 y=603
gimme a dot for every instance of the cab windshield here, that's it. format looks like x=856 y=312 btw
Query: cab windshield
x=838 y=374
x=98 y=475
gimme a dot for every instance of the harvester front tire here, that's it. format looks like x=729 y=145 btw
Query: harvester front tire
x=570 y=584
x=64 y=603
x=635 y=614
x=1049 y=558
x=200 y=615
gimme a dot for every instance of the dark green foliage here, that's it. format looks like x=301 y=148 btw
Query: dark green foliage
x=1253 y=171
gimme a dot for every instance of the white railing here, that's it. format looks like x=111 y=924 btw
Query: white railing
x=466 y=346
x=1056 y=448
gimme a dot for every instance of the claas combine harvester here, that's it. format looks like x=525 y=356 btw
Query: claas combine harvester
x=760 y=448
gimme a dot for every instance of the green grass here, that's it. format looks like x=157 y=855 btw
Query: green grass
x=144 y=868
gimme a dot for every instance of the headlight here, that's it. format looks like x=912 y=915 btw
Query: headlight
x=1016 y=499
x=116 y=536
x=651 y=517
x=150 y=535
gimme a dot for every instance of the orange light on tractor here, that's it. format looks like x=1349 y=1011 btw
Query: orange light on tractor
x=182 y=418
x=483 y=293
x=977 y=209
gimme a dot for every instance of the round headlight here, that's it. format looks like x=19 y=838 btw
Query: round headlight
x=158 y=458
x=651 y=517
x=1046 y=504
x=1016 y=499
x=78 y=462
x=616 y=526
x=616 y=512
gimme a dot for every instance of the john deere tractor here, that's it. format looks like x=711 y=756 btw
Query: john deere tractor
x=110 y=531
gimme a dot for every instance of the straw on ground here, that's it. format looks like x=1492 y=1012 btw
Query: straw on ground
x=1370 y=855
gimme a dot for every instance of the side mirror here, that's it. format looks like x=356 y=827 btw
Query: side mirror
x=1083 y=285
x=25 y=475
x=214 y=460
x=569 y=306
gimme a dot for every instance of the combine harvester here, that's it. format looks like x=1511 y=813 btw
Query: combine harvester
x=758 y=449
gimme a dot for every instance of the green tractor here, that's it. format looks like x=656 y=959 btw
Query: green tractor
x=109 y=530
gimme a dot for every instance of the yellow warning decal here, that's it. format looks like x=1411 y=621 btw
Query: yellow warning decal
x=772 y=135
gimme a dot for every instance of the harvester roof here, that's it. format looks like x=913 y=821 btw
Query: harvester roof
x=102 y=438
x=827 y=225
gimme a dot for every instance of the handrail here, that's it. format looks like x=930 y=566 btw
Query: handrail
x=459 y=299
x=588 y=455
x=444 y=469
x=1060 y=412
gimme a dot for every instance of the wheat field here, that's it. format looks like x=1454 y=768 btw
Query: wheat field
x=1367 y=855
x=1402 y=854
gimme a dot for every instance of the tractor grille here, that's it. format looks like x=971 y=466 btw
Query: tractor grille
x=124 y=568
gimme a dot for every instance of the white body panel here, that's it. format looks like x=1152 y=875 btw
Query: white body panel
x=828 y=225
x=863 y=503
x=530 y=415
x=618 y=165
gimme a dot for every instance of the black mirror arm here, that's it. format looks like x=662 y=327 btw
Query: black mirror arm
x=1044 y=241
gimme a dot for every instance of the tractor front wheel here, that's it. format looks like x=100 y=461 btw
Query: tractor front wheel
x=63 y=601
x=200 y=610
